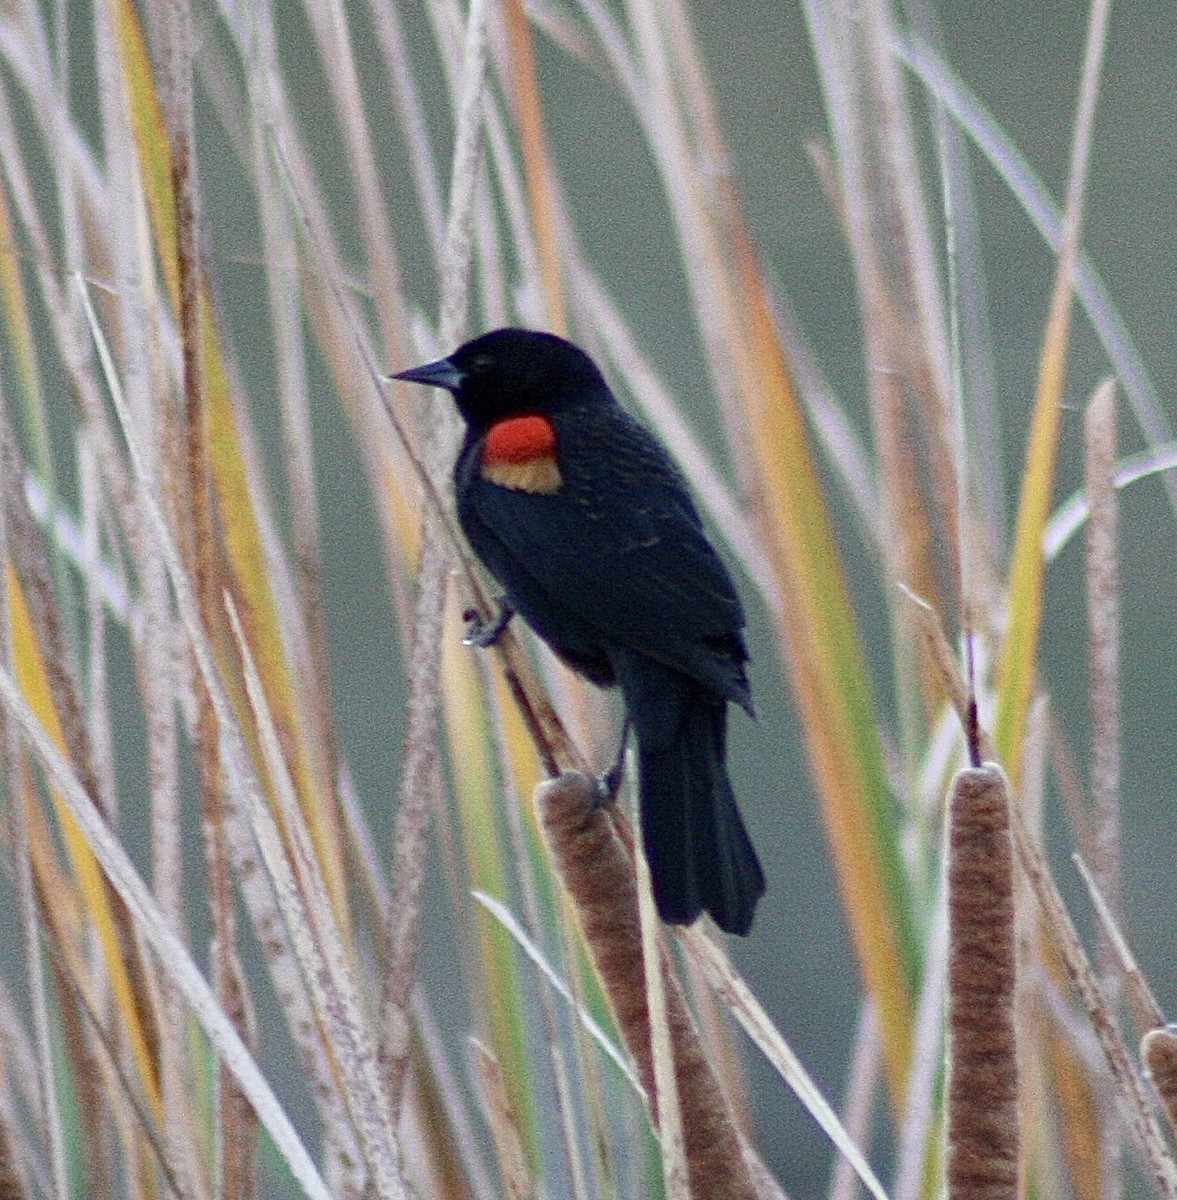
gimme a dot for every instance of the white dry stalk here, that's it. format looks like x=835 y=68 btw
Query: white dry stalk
x=1135 y=984
x=862 y=1088
x=897 y=143
x=406 y=99
x=919 y=1123
x=329 y=25
x=524 y=869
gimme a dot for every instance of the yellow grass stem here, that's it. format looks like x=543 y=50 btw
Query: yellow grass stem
x=33 y=680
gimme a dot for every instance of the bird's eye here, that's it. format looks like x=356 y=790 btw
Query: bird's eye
x=481 y=363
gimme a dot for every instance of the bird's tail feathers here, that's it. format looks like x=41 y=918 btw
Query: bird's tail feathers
x=701 y=857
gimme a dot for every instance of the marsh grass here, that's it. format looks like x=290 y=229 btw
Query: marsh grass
x=189 y=921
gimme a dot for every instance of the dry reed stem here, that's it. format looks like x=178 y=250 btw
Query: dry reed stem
x=1036 y=200
x=329 y=24
x=28 y=585
x=536 y=164
x=447 y=1118
x=1103 y=653
x=919 y=1128
x=304 y=593
x=858 y=1108
x=420 y=762
x=1062 y=930
x=735 y=993
x=667 y=1104
x=983 y=1133
x=1142 y=1004
x=12 y=1186
x=406 y=100
x=237 y=1122
x=915 y=269
x=285 y=845
x=872 y=136
x=518 y=1183
x=170 y=951
x=96 y=1112
x=525 y=862
x=599 y=876
x=1016 y=661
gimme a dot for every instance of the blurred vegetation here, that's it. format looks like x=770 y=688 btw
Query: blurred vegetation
x=216 y=983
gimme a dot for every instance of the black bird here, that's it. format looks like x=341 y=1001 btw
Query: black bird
x=589 y=527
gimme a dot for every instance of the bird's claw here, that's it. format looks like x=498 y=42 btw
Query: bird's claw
x=609 y=784
x=483 y=633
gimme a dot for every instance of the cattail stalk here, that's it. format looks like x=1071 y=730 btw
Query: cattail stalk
x=983 y=1135
x=598 y=873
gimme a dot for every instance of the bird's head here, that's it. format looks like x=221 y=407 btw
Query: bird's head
x=511 y=371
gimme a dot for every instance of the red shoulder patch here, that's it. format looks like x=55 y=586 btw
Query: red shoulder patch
x=519 y=440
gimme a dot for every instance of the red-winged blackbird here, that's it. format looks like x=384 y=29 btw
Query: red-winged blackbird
x=589 y=527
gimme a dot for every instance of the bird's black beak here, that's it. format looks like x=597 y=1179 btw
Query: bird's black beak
x=442 y=374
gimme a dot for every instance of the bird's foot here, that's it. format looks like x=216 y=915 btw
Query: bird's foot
x=483 y=633
x=609 y=784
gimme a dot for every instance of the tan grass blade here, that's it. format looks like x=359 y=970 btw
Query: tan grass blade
x=493 y=978
x=1146 y=1012
x=1017 y=661
x=1136 y=1107
x=1033 y=195
x=748 y=1011
x=29 y=1060
x=818 y=632
x=1016 y=664
x=241 y=783
x=667 y=1106
x=503 y=915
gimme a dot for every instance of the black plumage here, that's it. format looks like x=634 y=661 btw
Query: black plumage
x=603 y=553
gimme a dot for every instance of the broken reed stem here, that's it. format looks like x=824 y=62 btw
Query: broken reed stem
x=598 y=873
x=983 y=1133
